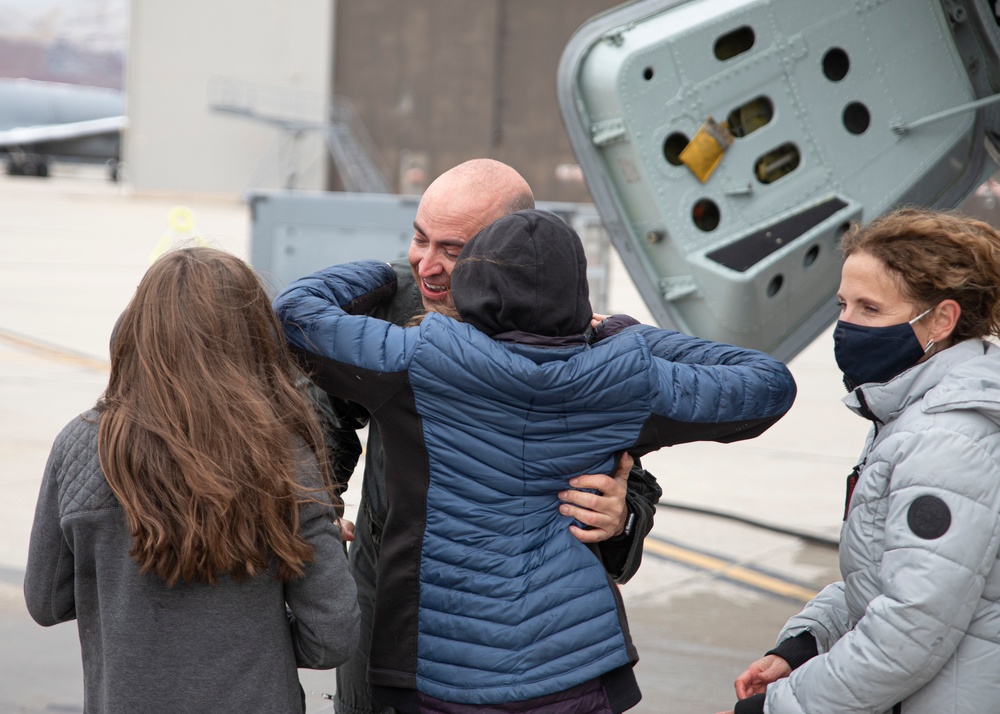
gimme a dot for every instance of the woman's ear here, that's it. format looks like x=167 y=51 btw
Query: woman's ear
x=943 y=320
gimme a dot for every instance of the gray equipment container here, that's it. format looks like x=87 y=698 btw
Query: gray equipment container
x=294 y=233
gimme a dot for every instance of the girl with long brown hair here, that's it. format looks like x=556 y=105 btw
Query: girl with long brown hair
x=185 y=522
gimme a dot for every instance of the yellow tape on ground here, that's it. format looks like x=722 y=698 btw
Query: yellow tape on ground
x=53 y=352
x=722 y=568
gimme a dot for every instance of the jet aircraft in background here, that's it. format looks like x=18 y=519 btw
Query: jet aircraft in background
x=42 y=121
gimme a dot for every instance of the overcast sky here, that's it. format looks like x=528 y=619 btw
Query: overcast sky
x=100 y=25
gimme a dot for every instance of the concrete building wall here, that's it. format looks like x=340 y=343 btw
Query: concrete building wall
x=180 y=49
x=437 y=82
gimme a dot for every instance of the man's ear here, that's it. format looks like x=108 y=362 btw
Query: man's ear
x=944 y=319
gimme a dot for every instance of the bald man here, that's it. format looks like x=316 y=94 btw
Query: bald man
x=454 y=208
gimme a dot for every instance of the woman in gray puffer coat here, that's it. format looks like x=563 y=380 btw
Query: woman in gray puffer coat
x=914 y=627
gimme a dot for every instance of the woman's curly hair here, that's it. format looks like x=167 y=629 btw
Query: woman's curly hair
x=938 y=256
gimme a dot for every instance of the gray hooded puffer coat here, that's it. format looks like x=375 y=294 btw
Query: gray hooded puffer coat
x=916 y=620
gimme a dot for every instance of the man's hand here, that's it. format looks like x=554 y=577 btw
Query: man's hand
x=346 y=529
x=596 y=320
x=604 y=511
x=769 y=668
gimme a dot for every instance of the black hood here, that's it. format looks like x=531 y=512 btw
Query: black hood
x=526 y=272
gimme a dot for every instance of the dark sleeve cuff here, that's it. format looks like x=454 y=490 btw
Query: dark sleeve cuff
x=622 y=556
x=797 y=650
x=750 y=705
x=611 y=326
x=364 y=304
x=623 y=553
x=615 y=552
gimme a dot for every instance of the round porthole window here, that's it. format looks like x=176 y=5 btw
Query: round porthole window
x=810 y=256
x=673 y=146
x=705 y=215
x=836 y=64
x=857 y=118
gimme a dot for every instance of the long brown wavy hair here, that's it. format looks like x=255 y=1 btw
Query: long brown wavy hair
x=202 y=430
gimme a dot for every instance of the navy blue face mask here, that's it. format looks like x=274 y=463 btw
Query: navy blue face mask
x=876 y=354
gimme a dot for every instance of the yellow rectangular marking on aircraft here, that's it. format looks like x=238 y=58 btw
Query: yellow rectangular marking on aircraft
x=729 y=570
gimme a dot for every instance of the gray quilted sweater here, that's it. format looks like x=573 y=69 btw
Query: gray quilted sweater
x=199 y=648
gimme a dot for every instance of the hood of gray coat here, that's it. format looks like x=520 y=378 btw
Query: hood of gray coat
x=526 y=272
x=964 y=376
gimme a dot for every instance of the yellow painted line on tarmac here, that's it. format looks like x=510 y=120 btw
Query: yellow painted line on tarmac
x=728 y=570
x=53 y=352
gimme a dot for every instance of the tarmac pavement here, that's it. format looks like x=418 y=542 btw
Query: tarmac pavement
x=712 y=591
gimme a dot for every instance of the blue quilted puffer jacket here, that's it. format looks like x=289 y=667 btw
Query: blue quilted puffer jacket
x=484 y=596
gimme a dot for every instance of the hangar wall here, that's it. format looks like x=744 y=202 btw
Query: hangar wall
x=434 y=82
x=440 y=81
x=182 y=50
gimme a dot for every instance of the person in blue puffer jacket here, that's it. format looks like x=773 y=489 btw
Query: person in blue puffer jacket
x=488 y=600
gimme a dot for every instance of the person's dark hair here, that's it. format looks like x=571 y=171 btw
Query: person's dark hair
x=938 y=256
x=202 y=429
x=525 y=272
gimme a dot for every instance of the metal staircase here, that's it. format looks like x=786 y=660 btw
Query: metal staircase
x=298 y=112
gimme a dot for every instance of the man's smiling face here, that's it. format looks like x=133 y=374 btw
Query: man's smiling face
x=448 y=217
x=432 y=257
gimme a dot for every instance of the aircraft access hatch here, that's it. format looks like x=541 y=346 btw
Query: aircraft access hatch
x=728 y=144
